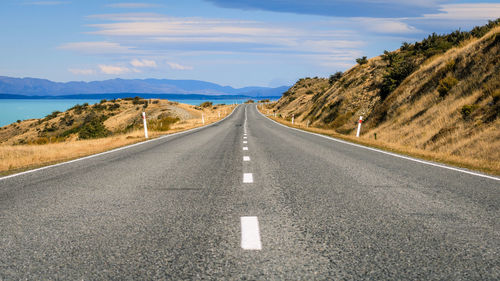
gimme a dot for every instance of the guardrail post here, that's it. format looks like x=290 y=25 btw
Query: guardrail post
x=359 y=126
x=145 y=124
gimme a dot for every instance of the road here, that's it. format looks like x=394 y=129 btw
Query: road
x=297 y=207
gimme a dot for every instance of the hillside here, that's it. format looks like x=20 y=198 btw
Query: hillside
x=104 y=119
x=43 y=87
x=440 y=95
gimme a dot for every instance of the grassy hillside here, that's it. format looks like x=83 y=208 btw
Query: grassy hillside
x=440 y=95
x=88 y=129
x=100 y=120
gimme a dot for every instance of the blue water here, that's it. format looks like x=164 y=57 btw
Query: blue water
x=12 y=110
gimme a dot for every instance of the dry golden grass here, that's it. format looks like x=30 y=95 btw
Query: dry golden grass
x=17 y=158
x=416 y=119
x=484 y=164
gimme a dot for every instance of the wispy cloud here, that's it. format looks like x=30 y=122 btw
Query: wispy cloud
x=132 y=5
x=98 y=48
x=177 y=66
x=387 y=26
x=78 y=71
x=143 y=63
x=476 y=11
x=46 y=3
x=115 y=70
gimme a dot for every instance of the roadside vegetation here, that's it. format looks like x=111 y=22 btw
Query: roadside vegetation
x=438 y=96
x=86 y=129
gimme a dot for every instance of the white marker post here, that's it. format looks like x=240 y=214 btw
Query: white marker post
x=359 y=126
x=293 y=118
x=145 y=124
x=203 y=119
x=219 y=114
x=307 y=125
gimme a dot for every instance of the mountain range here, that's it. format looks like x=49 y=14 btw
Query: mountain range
x=43 y=87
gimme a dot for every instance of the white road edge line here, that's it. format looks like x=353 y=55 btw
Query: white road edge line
x=388 y=153
x=247 y=178
x=116 y=149
x=250 y=233
x=246 y=158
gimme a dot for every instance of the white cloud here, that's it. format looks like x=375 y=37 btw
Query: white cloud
x=113 y=69
x=143 y=63
x=97 y=48
x=81 y=71
x=476 y=11
x=132 y=5
x=389 y=26
x=177 y=66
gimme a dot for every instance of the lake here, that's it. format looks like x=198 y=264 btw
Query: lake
x=12 y=110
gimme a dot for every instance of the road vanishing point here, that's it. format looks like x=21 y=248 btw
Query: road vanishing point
x=247 y=198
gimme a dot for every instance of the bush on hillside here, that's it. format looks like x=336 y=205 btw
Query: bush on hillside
x=206 y=104
x=335 y=77
x=362 y=60
x=446 y=84
x=467 y=110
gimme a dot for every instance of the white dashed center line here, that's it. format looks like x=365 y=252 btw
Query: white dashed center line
x=245 y=148
x=244 y=138
x=246 y=158
x=245 y=141
x=247 y=178
x=250 y=234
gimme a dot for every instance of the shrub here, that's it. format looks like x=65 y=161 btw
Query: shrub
x=265 y=100
x=52 y=115
x=206 y=104
x=99 y=106
x=467 y=110
x=496 y=96
x=362 y=60
x=138 y=100
x=446 y=84
x=250 y=101
x=77 y=108
x=92 y=130
x=114 y=106
x=309 y=92
x=103 y=100
x=162 y=123
x=399 y=68
x=335 y=77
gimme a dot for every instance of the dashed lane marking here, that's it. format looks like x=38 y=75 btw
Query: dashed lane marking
x=250 y=233
x=246 y=158
x=247 y=178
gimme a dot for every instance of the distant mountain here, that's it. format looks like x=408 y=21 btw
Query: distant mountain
x=43 y=87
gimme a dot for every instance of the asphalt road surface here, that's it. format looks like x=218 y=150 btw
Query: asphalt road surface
x=297 y=207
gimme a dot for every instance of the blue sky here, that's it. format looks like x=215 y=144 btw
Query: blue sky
x=230 y=42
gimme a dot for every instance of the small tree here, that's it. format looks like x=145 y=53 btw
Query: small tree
x=206 y=104
x=362 y=60
x=335 y=77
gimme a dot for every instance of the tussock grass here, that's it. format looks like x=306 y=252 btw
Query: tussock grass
x=485 y=164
